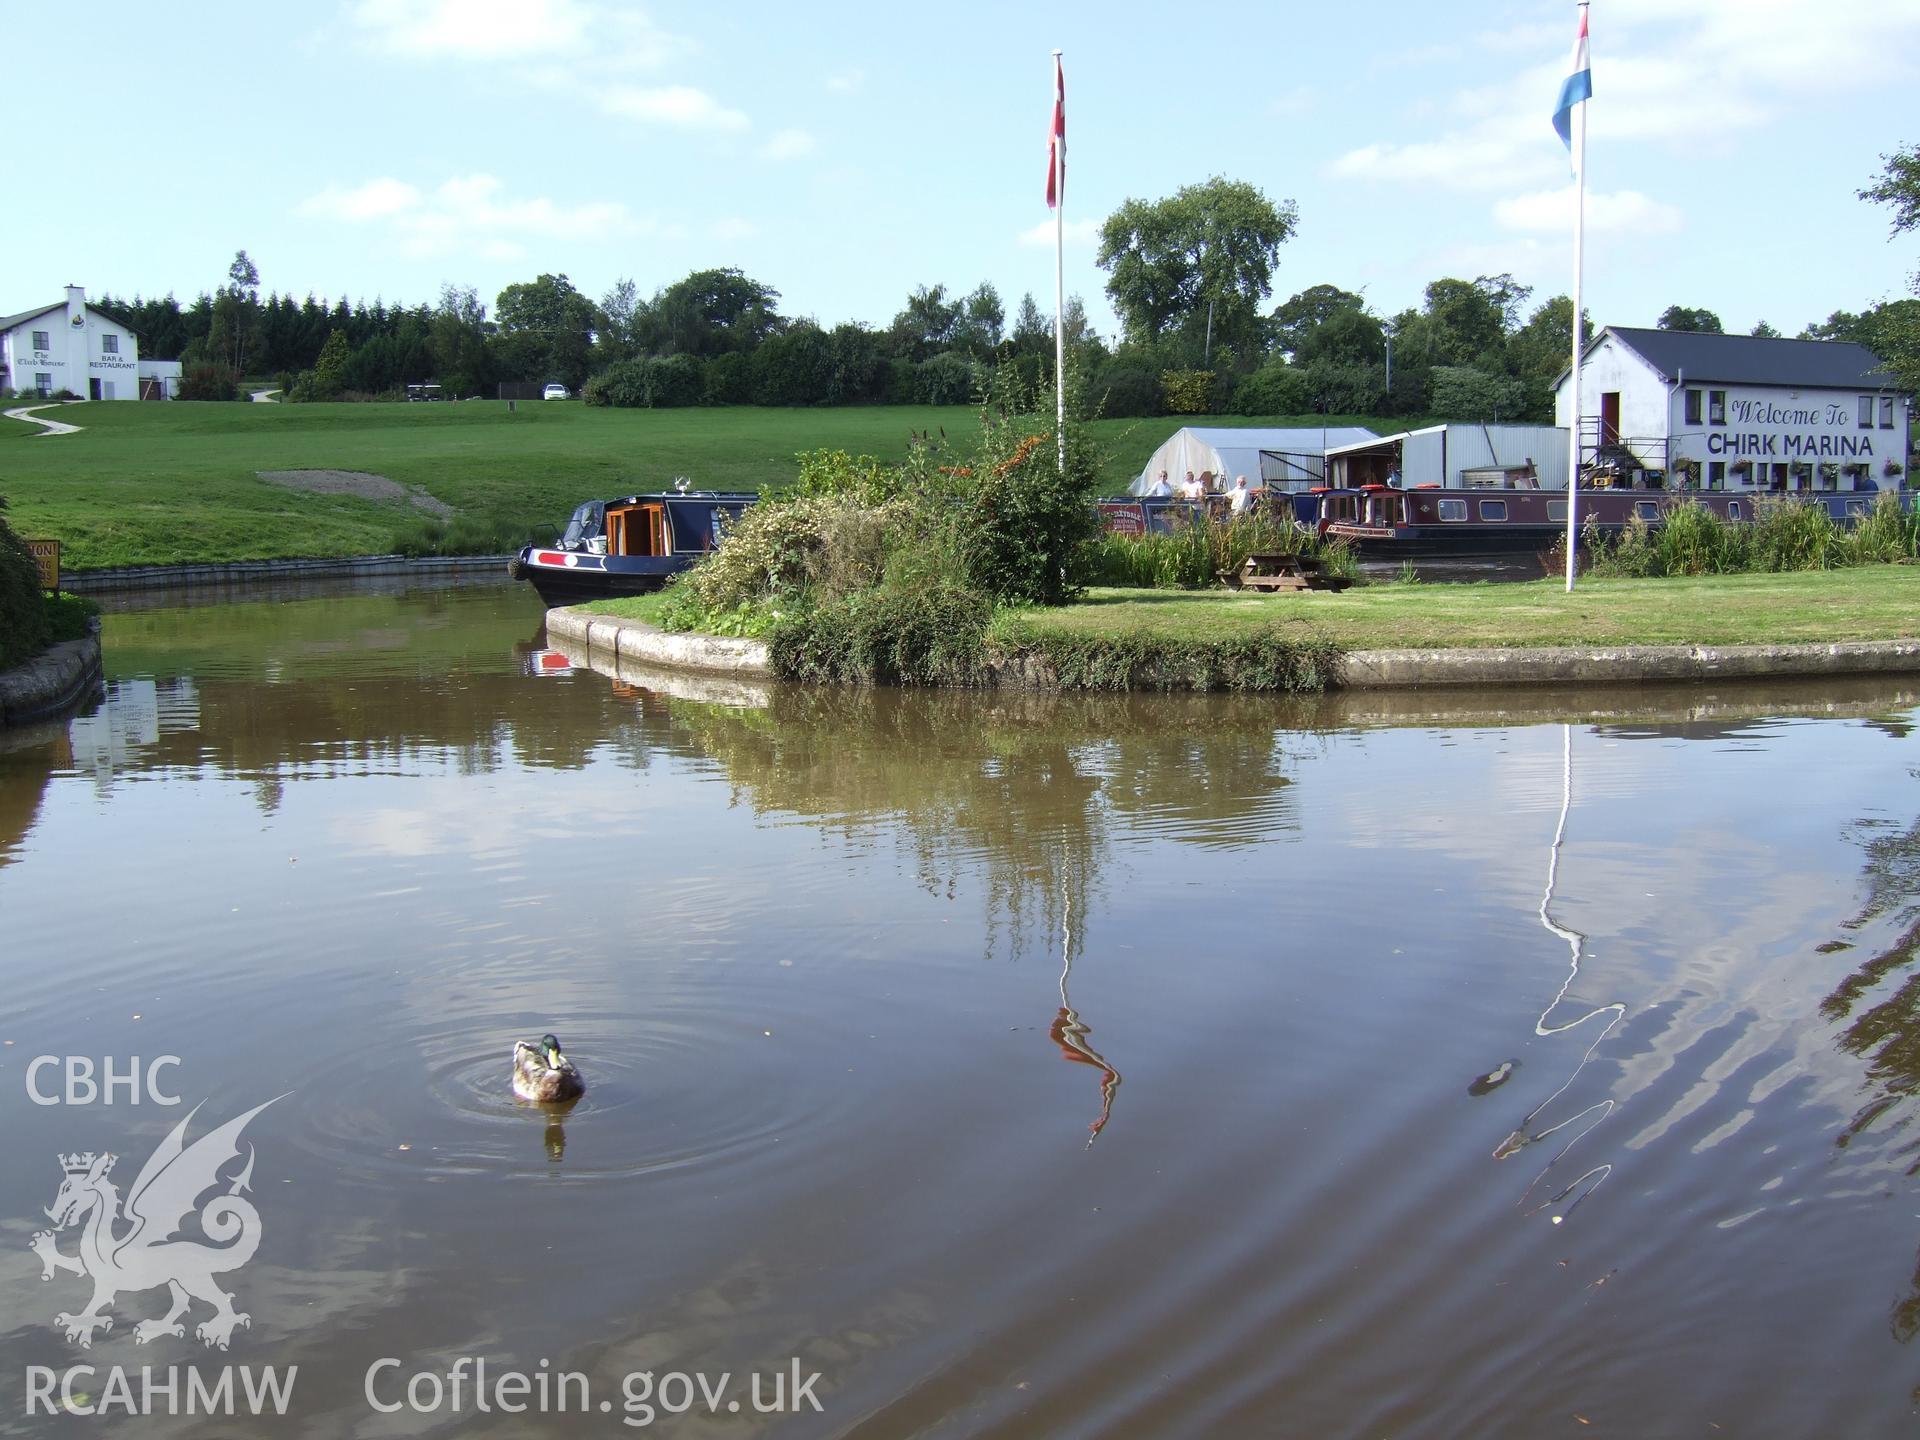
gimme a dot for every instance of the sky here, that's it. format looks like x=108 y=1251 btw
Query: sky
x=844 y=154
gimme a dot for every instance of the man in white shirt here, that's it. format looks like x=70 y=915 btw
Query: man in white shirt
x=1160 y=487
x=1241 y=496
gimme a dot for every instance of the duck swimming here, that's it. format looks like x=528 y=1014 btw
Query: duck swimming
x=542 y=1073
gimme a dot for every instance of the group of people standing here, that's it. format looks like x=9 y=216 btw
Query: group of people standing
x=1238 y=496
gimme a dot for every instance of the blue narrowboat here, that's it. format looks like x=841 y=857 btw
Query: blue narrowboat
x=628 y=546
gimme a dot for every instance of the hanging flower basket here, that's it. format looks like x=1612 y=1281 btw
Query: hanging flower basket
x=1892 y=467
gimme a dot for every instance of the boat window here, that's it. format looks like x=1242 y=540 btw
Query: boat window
x=1493 y=509
x=1557 y=510
x=587 y=521
x=1647 y=509
x=1453 y=509
x=1856 y=507
x=1733 y=509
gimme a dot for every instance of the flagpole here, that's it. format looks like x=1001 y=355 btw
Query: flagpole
x=1579 y=119
x=1060 y=286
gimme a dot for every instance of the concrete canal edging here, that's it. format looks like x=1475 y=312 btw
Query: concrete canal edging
x=231 y=572
x=50 y=682
x=638 y=640
x=1360 y=669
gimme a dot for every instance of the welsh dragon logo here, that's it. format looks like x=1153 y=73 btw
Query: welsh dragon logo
x=141 y=1248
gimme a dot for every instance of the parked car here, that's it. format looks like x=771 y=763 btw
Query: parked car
x=554 y=392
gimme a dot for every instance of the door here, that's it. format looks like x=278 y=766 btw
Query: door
x=1610 y=417
x=93 y=389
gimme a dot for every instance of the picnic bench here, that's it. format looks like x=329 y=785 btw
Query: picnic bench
x=1283 y=570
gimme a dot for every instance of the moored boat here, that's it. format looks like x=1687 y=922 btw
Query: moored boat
x=628 y=546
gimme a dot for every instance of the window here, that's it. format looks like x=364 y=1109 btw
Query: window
x=1453 y=509
x=1866 y=412
x=109 y=344
x=1733 y=509
x=1716 y=474
x=1886 y=412
x=44 y=384
x=1693 y=407
x=41 y=340
x=1493 y=509
x=1557 y=510
x=1646 y=509
x=1716 y=407
x=1856 y=507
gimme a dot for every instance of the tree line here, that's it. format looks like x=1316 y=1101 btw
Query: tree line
x=1190 y=278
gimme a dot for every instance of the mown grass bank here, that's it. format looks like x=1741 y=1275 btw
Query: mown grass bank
x=150 y=484
x=1134 y=639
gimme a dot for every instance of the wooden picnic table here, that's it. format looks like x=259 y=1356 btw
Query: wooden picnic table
x=1285 y=570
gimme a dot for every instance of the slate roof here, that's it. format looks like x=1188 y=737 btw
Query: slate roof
x=1756 y=360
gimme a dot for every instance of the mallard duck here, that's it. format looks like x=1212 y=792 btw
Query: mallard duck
x=541 y=1072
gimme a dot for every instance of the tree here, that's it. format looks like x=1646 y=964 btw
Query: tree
x=927 y=325
x=1303 y=314
x=1763 y=331
x=1347 y=337
x=1467 y=322
x=235 y=319
x=981 y=320
x=1680 y=317
x=620 y=312
x=710 y=312
x=1212 y=245
x=546 y=330
x=1032 y=333
x=457 y=339
x=1896 y=337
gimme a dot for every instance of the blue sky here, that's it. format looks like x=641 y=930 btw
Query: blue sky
x=845 y=153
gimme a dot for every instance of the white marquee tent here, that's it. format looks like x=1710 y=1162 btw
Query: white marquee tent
x=1284 y=459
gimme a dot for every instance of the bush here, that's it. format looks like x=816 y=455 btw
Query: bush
x=1186 y=392
x=1789 y=534
x=1123 y=388
x=729 y=379
x=946 y=379
x=1887 y=533
x=1024 y=529
x=208 y=381
x=922 y=631
x=25 y=624
x=1276 y=388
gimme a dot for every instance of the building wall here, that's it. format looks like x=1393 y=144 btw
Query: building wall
x=1772 y=427
x=1643 y=394
x=82 y=346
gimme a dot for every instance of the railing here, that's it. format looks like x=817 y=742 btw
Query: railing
x=1601 y=451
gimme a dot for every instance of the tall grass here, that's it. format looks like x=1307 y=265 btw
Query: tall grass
x=1197 y=551
x=1785 y=535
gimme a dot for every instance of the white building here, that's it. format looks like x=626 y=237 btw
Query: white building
x=69 y=346
x=1732 y=412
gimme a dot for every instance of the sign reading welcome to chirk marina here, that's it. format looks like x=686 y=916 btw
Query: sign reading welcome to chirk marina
x=1779 y=425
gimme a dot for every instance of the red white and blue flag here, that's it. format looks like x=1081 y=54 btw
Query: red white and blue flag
x=1577 y=87
x=1057 y=140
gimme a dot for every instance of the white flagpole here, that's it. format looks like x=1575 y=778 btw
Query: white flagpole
x=1573 y=379
x=1059 y=282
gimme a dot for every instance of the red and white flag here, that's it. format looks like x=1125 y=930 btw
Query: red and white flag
x=1057 y=139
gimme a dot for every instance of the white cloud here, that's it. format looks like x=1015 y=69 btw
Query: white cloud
x=788 y=145
x=371 y=201
x=682 y=106
x=1685 y=79
x=467 y=213
x=845 y=82
x=471 y=29
x=1551 y=212
x=1078 y=232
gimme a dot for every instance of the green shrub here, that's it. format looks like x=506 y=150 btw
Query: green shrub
x=1194 y=553
x=1887 y=533
x=1268 y=659
x=922 y=631
x=69 y=617
x=1186 y=392
x=25 y=624
x=1276 y=388
x=1790 y=534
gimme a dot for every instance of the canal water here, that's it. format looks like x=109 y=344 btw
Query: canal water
x=1483 y=1065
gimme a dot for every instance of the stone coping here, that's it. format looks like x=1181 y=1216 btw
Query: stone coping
x=1362 y=669
x=50 y=682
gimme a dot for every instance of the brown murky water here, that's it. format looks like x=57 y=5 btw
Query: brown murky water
x=1484 y=1065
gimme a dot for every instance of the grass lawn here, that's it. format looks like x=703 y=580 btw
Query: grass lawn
x=166 y=483
x=1870 y=602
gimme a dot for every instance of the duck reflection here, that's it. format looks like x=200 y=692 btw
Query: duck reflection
x=1540 y=1123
